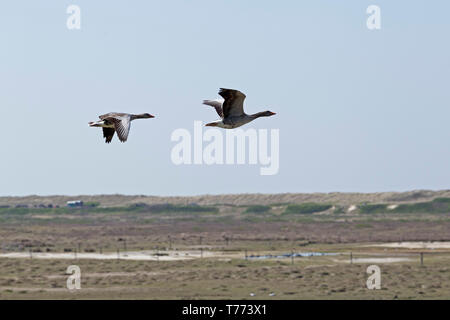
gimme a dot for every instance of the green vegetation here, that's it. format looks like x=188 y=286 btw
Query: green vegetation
x=258 y=209
x=94 y=208
x=92 y=204
x=170 y=208
x=438 y=205
x=373 y=208
x=339 y=210
x=306 y=208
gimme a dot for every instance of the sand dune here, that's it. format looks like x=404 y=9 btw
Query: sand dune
x=237 y=199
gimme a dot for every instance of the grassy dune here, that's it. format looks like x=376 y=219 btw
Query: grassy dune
x=336 y=198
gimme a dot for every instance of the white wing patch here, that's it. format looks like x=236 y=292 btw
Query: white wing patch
x=217 y=104
x=214 y=103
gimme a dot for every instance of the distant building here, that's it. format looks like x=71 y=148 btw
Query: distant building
x=75 y=204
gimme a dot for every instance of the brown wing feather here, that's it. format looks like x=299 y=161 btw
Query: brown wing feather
x=234 y=102
x=108 y=134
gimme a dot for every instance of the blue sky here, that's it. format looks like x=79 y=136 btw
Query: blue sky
x=357 y=110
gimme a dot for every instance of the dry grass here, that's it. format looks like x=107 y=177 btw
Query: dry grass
x=308 y=278
x=230 y=230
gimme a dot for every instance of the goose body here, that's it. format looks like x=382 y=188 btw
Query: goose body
x=117 y=122
x=231 y=110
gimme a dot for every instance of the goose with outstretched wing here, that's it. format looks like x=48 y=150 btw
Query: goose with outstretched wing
x=117 y=122
x=231 y=110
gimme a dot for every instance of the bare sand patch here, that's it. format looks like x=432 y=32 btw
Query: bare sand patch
x=415 y=245
x=379 y=260
x=41 y=216
x=132 y=255
x=375 y=260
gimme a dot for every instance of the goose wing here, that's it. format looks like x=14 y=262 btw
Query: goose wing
x=122 y=126
x=112 y=115
x=121 y=122
x=108 y=134
x=216 y=104
x=234 y=102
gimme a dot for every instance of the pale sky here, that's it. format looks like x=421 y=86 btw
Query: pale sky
x=357 y=110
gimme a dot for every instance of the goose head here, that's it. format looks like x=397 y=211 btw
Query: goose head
x=268 y=113
x=264 y=114
x=141 y=116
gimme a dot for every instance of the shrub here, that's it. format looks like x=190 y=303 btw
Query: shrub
x=339 y=210
x=170 y=208
x=95 y=208
x=257 y=209
x=373 y=208
x=442 y=200
x=91 y=204
x=438 y=205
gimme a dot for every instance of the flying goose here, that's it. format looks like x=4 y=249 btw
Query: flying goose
x=117 y=122
x=231 y=110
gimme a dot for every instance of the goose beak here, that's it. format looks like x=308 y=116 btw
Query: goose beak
x=272 y=113
x=212 y=124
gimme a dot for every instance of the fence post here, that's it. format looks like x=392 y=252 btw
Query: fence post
x=292 y=257
x=246 y=256
x=421 y=259
x=201 y=252
x=351 y=257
